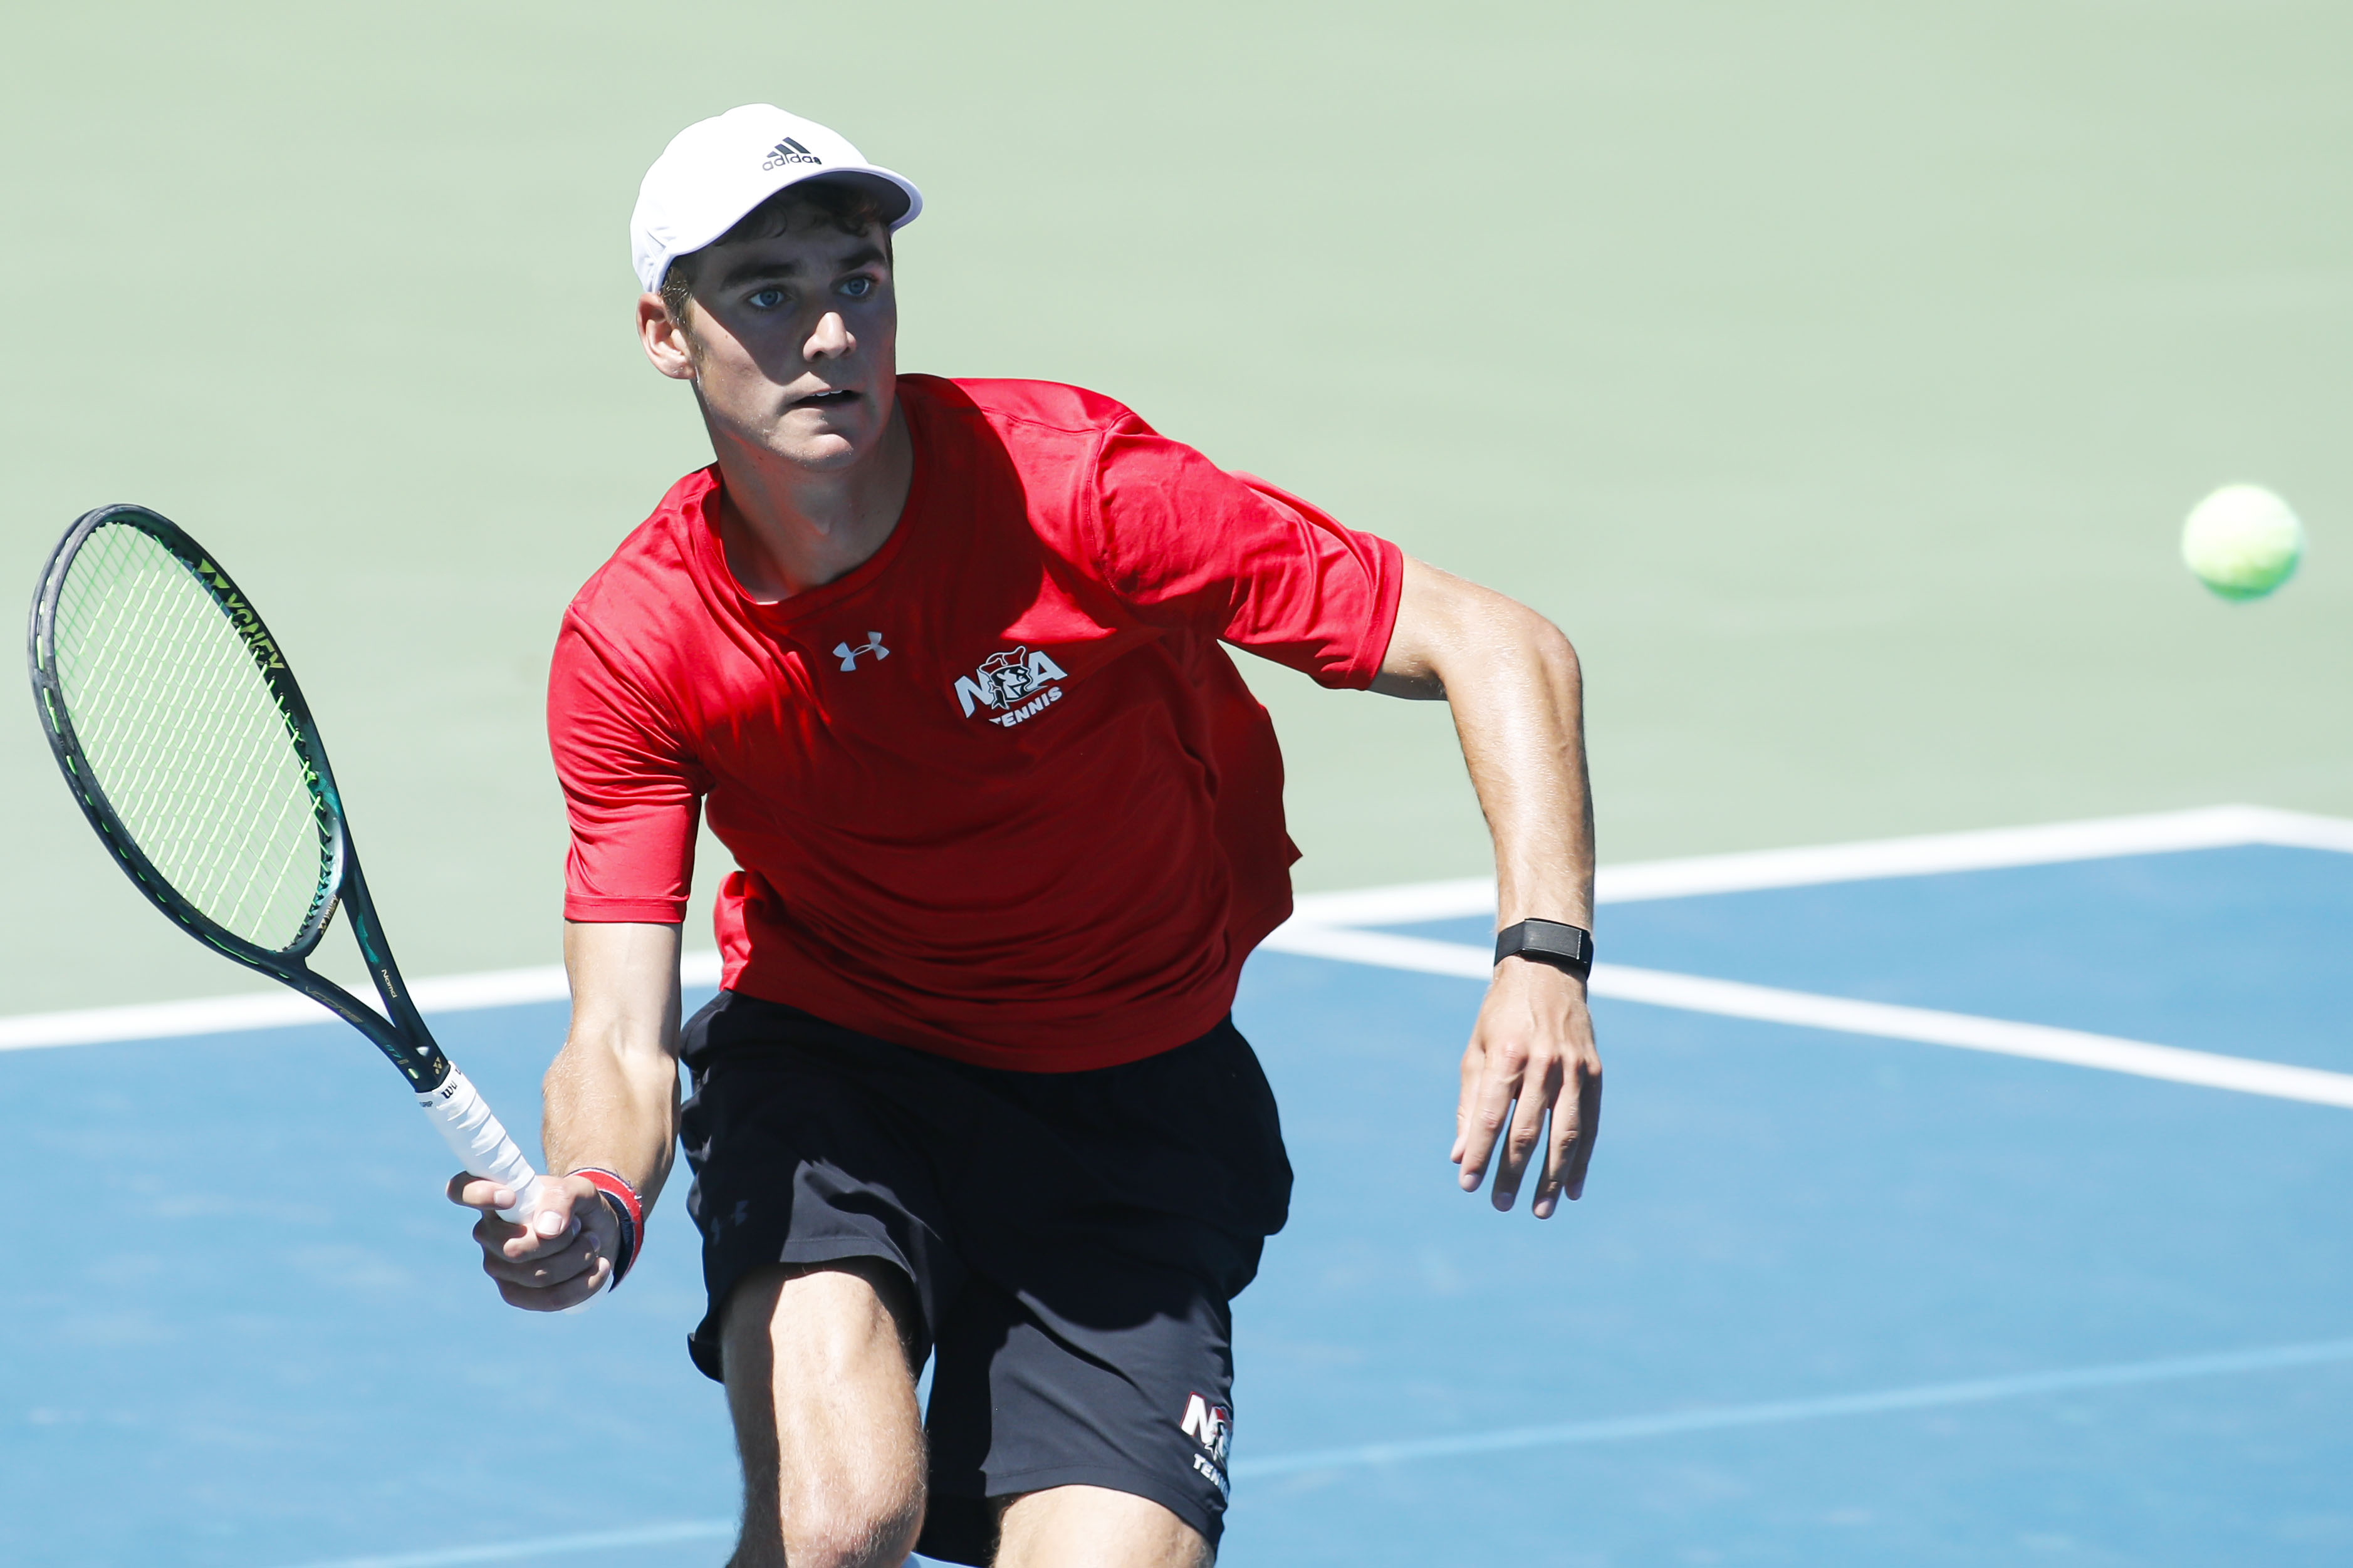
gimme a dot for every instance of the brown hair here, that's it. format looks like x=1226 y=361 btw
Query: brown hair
x=850 y=206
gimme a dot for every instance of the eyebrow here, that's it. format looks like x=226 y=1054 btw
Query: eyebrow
x=754 y=271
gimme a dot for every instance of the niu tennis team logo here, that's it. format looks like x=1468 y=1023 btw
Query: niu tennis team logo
x=1014 y=685
x=849 y=655
x=789 y=152
x=1213 y=1426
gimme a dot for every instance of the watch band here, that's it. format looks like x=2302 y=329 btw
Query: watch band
x=1563 y=946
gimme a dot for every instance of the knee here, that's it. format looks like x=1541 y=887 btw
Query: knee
x=826 y=1421
x=836 y=1525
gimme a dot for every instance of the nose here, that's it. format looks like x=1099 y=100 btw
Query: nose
x=829 y=339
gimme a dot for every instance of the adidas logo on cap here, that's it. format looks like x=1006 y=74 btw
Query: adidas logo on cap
x=790 y=152
x=716 y=170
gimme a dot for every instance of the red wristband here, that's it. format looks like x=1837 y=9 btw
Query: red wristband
x=628 y=1208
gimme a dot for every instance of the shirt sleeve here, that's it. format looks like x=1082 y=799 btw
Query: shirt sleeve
x=1183 y=539
x=631 y=789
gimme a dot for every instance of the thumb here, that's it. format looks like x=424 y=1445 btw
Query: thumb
x=546 y=1209
x=546 y=1216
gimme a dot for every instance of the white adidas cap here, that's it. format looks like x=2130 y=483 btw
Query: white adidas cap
x=716 y=170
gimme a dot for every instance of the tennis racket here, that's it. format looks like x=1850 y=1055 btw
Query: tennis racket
x=180 y=730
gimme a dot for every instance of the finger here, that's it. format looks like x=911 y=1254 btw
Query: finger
x=1523 y=1142
x=573 y=1292
x=1490 y=1112
x=548 y=1233
x=494 y=1234
x=1589 y=1116
x=549 y=1230
x=539 y=1271
x=1474 y=1070
x=1561 y=1149
x=1572 y=1124
x=556 y=1297
x=470 y=1191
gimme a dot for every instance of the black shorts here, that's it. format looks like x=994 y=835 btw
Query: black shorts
x=1074 y=1240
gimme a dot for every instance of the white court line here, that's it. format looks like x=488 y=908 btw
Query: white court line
x=1882 y=1020
x=2211 y=827
x=546 y=1546
x=2207 y=1069
x=282 y=1009
x=1607 y=1429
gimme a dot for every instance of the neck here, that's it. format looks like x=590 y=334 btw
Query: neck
x=787 y=529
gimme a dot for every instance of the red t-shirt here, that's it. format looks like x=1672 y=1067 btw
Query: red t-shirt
x=999 y=792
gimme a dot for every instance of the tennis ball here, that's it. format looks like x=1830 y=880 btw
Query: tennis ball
x=2242 y=541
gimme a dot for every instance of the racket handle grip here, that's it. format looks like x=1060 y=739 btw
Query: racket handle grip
x=483 y=1147
x=463 y=1117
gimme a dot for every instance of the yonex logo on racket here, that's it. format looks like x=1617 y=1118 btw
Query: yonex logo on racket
x=790 y=152
x=257 y=640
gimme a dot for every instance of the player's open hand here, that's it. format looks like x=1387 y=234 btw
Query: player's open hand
x=556 y=1258
x=1531 y=1053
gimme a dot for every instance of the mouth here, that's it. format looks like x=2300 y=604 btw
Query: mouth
x=833 y=399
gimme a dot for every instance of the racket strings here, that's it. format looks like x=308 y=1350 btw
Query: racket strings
x=214 y=731
x=231 y=871
x=224 y=730
x=187 y=740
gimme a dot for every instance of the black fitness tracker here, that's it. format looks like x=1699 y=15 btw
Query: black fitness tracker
x=1548 y=941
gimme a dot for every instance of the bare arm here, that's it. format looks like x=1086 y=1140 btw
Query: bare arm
x=612 y=1091
x=611 y=1103
x=1512 y=682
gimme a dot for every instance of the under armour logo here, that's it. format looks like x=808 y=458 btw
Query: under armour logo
x=849 y=655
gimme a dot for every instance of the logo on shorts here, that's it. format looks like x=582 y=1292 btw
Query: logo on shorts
x=789 y=152
x=849 y=655
x=1015 y=685
x=1213 y=1426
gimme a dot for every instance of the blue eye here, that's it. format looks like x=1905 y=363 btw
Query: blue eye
x=858 y=287
x=766 y=299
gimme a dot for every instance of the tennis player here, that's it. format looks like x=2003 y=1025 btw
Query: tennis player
x=945 y=661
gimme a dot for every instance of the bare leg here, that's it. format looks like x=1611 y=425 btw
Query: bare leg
x=821 y=1387
x=1094 y=1527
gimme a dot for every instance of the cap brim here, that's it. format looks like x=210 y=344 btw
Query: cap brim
x=901 y=203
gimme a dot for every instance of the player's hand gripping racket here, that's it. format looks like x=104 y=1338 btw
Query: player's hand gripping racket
x=181 y=732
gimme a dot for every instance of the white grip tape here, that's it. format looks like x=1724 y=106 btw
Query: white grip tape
x=482 y=1147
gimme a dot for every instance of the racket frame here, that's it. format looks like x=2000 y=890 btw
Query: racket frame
x=400 y=1032
x=444 y=1094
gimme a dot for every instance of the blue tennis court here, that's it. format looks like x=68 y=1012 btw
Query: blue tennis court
x=1831 y=1297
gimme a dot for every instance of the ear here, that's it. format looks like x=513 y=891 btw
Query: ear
x=665 y=340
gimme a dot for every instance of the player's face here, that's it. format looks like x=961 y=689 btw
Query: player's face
x=796 y=340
